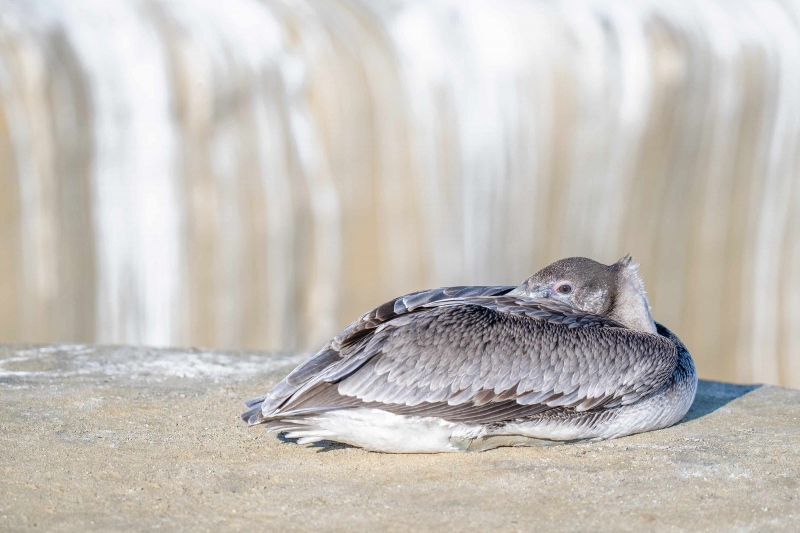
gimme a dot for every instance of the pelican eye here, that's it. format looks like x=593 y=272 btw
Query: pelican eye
x=564 y=288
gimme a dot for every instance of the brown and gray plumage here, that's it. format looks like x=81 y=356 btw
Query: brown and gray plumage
x=572 y=354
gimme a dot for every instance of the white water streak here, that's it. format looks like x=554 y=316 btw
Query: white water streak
x=137 y=212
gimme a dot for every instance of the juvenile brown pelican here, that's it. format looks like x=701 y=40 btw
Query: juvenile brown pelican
x=572 y=354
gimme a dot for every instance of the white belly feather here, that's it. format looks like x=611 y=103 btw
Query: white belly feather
x=377 y=430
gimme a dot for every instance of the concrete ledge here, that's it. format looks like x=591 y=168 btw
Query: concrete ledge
x=98 y=438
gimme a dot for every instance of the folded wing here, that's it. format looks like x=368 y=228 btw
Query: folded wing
x=479 y=357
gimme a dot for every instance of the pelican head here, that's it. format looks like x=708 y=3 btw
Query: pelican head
x=615 y=291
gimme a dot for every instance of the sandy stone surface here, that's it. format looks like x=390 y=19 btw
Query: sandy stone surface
x=124 y=438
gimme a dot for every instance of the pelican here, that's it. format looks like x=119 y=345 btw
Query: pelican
x=571 y=355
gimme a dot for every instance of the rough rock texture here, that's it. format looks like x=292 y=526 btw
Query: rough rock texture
x=95 y=438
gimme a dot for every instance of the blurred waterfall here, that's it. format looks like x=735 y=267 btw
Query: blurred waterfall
x=256 y=173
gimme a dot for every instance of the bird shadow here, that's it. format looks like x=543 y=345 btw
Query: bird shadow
x=323 y=446
x=711 y=395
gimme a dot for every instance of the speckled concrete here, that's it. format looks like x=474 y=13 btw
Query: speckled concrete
x=99 y=438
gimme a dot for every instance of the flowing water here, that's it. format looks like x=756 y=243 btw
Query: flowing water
x=256 y=173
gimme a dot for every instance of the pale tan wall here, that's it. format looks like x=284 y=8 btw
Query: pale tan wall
x=257 y=173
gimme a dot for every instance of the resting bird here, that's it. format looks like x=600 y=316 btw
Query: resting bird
x=570 y=355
